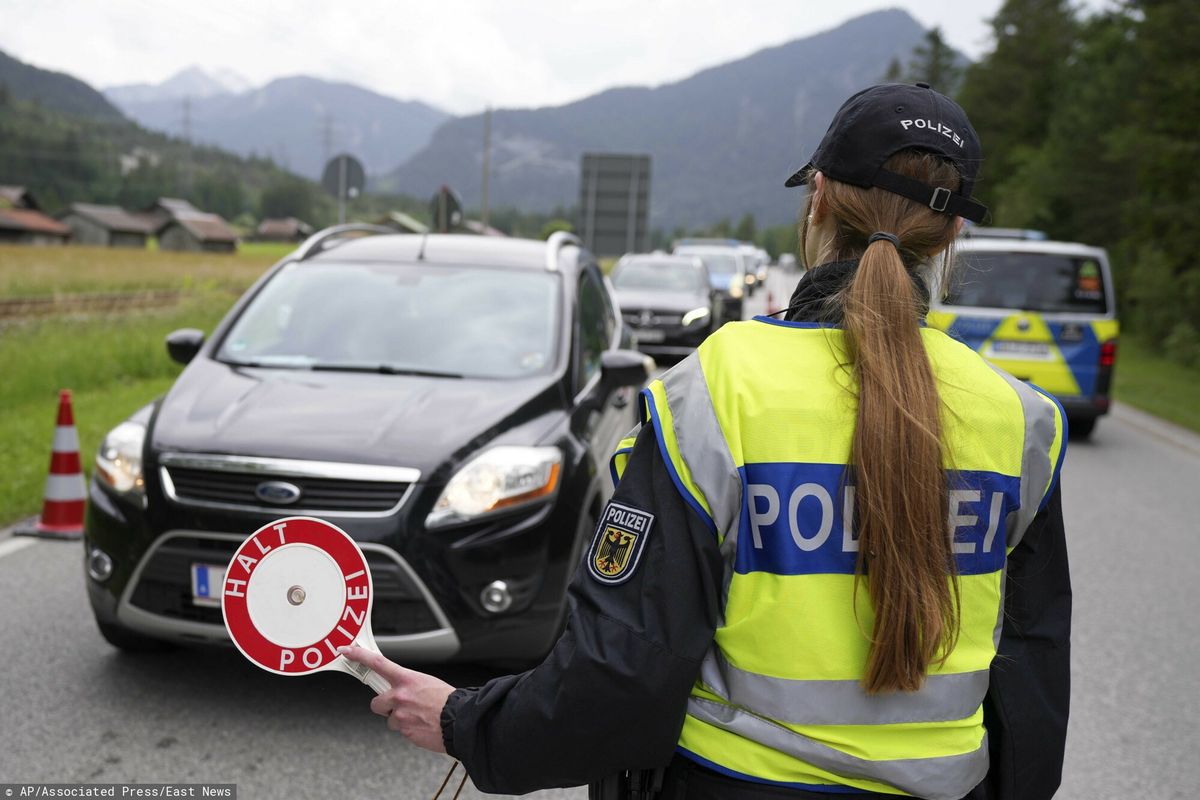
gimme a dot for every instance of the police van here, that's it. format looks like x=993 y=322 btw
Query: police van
x=1043 y=311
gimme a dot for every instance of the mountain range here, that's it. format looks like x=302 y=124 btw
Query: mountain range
x=298 y=121
x=722 y=142
x=55 y=91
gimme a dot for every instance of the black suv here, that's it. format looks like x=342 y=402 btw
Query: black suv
x=451 y=402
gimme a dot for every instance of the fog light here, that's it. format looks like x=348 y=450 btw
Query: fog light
x=495 y=597
x=99 y=565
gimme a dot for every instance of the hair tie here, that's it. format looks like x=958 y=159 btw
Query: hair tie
x=891 y=237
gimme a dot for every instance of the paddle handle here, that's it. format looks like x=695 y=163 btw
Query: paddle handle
x=368 y=676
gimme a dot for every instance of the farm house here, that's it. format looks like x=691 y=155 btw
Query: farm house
x=105 y=226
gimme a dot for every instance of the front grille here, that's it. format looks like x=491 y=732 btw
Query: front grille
x=165 y=587
x=656 y=318
x=325 y=494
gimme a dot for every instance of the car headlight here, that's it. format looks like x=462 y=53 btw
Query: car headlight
x=735 y=291
x=751 y=279
x=119 y=460
x=497 y=480
x=695 y=315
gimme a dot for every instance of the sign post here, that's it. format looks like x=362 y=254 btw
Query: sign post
x=344 y=177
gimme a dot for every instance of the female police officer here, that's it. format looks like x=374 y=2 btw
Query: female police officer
x=835 y=562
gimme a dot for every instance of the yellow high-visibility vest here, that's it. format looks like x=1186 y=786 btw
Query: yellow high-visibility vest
x=756 y=429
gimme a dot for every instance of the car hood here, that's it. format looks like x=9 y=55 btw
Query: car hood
x=637 y=299
x=366 y=418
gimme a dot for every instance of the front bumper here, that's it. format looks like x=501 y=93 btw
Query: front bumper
x=426 y=583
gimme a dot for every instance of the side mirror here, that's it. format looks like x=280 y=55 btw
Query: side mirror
x=619 y=368
x=183 y=344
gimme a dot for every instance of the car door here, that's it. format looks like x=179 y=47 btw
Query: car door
x=603 y=415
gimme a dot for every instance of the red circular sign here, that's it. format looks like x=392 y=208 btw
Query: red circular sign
x=269 y=621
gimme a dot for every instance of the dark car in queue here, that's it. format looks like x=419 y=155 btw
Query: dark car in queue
x=451 y=402
x=668 y=301
x=726 y=271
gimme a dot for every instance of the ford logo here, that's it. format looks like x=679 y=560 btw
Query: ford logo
x=278 y=493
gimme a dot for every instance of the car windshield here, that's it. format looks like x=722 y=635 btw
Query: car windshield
x=457 y=321
x=659 y=276
x=720 y=265
x=1029 y=281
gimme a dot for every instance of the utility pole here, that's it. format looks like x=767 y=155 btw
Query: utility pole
x=187 y=138
x=487 y=162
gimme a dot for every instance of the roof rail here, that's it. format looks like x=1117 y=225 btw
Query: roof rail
x=319 y=241
x=557 y=241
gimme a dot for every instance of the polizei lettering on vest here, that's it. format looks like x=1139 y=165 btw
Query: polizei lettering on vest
x=799 y=519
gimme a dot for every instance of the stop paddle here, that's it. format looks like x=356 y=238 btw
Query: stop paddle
x=295 y=591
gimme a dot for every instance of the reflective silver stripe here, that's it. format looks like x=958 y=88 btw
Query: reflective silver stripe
x=938 y=778
x=1036 y=467
x=943 y=698
x=702 y=444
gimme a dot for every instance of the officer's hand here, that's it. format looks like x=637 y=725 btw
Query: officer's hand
x=413 y=706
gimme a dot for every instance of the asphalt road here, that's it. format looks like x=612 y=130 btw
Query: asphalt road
x=73 y=709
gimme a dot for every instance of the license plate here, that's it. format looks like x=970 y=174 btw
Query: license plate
x=207 y=580
x=1038 y=351
x=649 y=335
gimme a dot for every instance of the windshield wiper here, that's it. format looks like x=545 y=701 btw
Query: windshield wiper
x=384 y=369
x=268 y=364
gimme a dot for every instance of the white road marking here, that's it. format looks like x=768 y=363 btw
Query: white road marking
x=7 y=548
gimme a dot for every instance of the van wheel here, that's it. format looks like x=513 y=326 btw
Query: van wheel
x=1081 y=428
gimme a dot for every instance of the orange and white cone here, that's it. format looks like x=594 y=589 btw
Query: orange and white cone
x=66 y=492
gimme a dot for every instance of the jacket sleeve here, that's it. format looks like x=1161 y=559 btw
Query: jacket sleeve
x=612 y=693
x=1029 y=695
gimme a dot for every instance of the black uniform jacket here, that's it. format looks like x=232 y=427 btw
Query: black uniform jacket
x=612 y=693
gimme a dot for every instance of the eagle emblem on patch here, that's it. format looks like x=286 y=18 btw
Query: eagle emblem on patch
x=619 y=542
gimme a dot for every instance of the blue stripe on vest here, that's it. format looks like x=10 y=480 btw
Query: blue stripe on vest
x=793 y=519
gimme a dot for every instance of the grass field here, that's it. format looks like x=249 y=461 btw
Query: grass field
x=48 y=271
x=1153 y=384
x=113 y=363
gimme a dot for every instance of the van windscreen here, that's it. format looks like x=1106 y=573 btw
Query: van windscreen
x=1029 y=281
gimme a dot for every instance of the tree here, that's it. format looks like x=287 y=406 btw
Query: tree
x=745 y=229
x=1158 y=140
x=221 y=193
x=1011 y=94
x=895 y=72
x=554 y=226
x=289 y=197
x=934 y=62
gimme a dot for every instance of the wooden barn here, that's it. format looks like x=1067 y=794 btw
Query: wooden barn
x=105 y=226
x=22 y=221
x=197 y=232
x=288 y=229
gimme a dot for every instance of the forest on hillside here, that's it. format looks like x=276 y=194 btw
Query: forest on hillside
x=1088 y=123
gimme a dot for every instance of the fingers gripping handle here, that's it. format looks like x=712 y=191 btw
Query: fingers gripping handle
x=368 y=676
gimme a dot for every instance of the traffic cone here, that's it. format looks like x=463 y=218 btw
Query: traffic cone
x=62 y=511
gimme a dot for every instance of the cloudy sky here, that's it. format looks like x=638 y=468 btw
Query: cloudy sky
x=460 y=55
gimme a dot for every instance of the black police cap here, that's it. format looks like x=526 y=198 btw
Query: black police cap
x=877 y=123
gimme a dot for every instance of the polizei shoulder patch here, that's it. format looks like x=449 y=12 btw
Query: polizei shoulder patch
x=619 y=543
